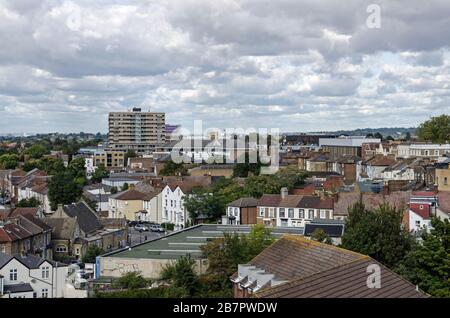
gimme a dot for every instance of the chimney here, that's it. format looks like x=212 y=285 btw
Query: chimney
x=284 y=192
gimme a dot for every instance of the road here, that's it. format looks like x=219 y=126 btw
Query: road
x=136 y=238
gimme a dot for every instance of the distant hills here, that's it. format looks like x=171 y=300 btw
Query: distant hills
x=385 y=131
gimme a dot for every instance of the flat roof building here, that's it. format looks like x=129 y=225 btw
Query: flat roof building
x=149 y=258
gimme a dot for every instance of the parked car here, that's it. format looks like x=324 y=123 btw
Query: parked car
x=141 y=228
x=157 y=228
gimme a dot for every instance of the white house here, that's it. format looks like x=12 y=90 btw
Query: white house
x=40 y=192
x=173 y=210
x=401 y=170
x=31 y=277
x=152 y=205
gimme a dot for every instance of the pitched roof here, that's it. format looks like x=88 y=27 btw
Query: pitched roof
x=129 y=195
x=86 y=218
x=62 y=228
x=40 y=188
x=17 y=288
x=290 y=201
x=292 y=257
x=244 y=202
x=346 y=200
x=271 y=200
x=24 y=211
x=345 y=281
x=309 y=202
x=16 y=232
x=4 y=259
x=37 y=222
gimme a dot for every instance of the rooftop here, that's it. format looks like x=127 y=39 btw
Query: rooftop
x=189 y=241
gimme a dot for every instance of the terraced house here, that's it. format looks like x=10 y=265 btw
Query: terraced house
x=293 y=210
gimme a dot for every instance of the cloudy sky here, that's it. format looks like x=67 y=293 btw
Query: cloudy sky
x=299 y=65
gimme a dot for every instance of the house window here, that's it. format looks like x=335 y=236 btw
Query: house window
x=261 y=212
x=45 y=293
x=291 y=213
x=284 y=223
x=302 y=214
x=418 y=223
x=281 y=211
x=13 y=275
x=77 y=251
x=3 y=249
x=323 y=214
x=311 y=214
x=45 y=272
x=271 y=212
x=236 y=211
x=445 y=181
x=61 y=249
x=230 y=211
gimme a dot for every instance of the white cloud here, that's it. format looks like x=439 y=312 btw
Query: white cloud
x=297 y=65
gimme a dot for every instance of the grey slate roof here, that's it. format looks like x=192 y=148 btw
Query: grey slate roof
x=4 y=259
x=87 y=220
x=244 y=202
x=17 y=288
x=63 y=228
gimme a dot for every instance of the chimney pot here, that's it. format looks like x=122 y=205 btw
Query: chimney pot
x=284 y=192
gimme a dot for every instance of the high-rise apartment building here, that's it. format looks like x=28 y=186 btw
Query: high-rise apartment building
x=136 y=130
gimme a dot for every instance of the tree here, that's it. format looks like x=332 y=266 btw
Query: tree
x=379 y=233
x=246 y=168
x=436 y=129
x=181 y=274
x=378 y=135
x=28 y=203
x=63 y=189
x=319 y=235
x=92 y=252
x=202 y=201
x=173 y=169
x=408 y=136
x=9 y=161
x=390 y=138
x=37 y=151
x=48 y=164
x=224 y=255
x=77 y=168
x=100 y=173
x=428 y=265
x=114 y=190
x=125 y=186
x=131 y=281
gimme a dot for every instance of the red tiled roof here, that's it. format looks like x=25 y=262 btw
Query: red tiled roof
x=271 y=200
x=24 y=211
x=4 y=237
